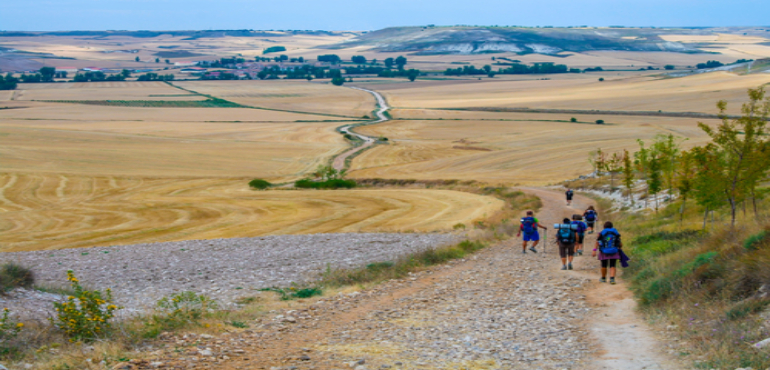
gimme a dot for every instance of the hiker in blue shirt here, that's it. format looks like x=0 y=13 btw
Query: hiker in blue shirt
x=608 y=249
x=529 y=226
x=591 y=216
x=566 y=238
x=581 y=232
x=569 y=193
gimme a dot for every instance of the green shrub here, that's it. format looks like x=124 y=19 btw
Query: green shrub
x=9 y=329
x=295 y=293
x=656 y=291
x=599 y=121
x=459 y=226
x=379 y=265
x=755 y=241
x=15 y=276
x=259 y=184
x=747 y=307
x=325 y=185
x=85 y=315
x=573 y=119
x=177 y=311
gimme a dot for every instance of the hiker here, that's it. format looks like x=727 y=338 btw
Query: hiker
x=577 y=220
x=566 y=237
x=608 y=249
x=569 y=195
x=591 y=217
x=529 y=226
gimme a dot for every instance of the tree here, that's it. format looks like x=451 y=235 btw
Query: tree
x=400 y=62
x=301 y=59
x=389 y=63
x=613 y=165
x=654 y=183
x=668 y=147
x=136 y=59
x=597 y=160
x=168 y=61
x=125 y=73
x=47 y=74
x=686 y=174
x=338 y=81
x=157 y=60
x=8 y=83
x=601 y=79
x=412 y=74
x=573 y=119
x=669 y=67
x=628 y=175
x=599 y=121
x=358 y=59
x=738 y=154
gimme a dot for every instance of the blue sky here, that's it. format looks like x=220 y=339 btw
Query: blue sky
x=53 y=15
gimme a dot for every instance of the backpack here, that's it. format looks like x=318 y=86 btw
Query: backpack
x=566 y=233
x=570 y=193
x=590 y=215
x=608 y=242
x=528 y=225
x=581 y=226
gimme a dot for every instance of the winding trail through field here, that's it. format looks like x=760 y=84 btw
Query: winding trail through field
x=339 y=161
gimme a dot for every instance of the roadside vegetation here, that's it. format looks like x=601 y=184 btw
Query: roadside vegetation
x=208 y=103
x=700 y=261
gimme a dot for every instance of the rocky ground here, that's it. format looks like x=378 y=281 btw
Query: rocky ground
x=498 y=310
x=224 y=269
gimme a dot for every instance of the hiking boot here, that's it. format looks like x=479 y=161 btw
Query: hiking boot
x=603 y=280
x=533 y=250
x=612 y=281
x=523 y=252
x=564 y=267
x=580 y=252
x=569 y=267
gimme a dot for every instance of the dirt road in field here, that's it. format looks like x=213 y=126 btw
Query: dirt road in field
x=339 y=161
x=499 y=309
x=623 y=340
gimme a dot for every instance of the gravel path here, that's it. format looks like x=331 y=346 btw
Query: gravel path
x=222 y=268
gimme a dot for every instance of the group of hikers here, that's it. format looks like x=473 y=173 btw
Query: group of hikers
x=570 y=237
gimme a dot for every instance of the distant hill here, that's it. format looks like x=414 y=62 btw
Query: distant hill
x=479 y=40
x=191 y=35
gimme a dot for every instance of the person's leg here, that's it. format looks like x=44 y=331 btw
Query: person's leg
x=613 y=268
x=524 y=245
x=535 y=241
x=563 y=255
x=604 y=270
x=570 y=255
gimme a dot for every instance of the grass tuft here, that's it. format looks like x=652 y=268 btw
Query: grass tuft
x=15 y=276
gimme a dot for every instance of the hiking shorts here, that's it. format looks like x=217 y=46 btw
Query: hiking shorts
x=590 y=224
x=610 y=263
x=531 y=237
x=581 y=238
x=566 y=250
x=569 y=197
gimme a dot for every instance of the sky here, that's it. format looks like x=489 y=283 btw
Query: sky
x=337 y=15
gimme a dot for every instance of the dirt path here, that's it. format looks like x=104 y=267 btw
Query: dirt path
x=499 y=309
x=339 y=161
x=624 y=340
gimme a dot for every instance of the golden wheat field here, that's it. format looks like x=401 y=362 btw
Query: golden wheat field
x=506 y=148
x=308 y=97
x=697 y=93
x=123 y=90
x=52 y=211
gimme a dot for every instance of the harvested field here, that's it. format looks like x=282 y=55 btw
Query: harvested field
x=697 y=93
x=54 y=211
x=40 y=111
x=276 y=152
x=309 y=97
x=124 y=90
x=524 y=149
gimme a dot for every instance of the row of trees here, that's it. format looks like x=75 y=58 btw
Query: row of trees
x=155 y=77
x=513 y=69
x=728 y=171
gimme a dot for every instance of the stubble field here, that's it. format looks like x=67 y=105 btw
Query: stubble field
x=53 y=211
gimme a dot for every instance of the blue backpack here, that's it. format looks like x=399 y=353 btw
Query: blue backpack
x=590 y=215
x=566 y=233
x=528 y=225
x=608 y=241
x=581 y=226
